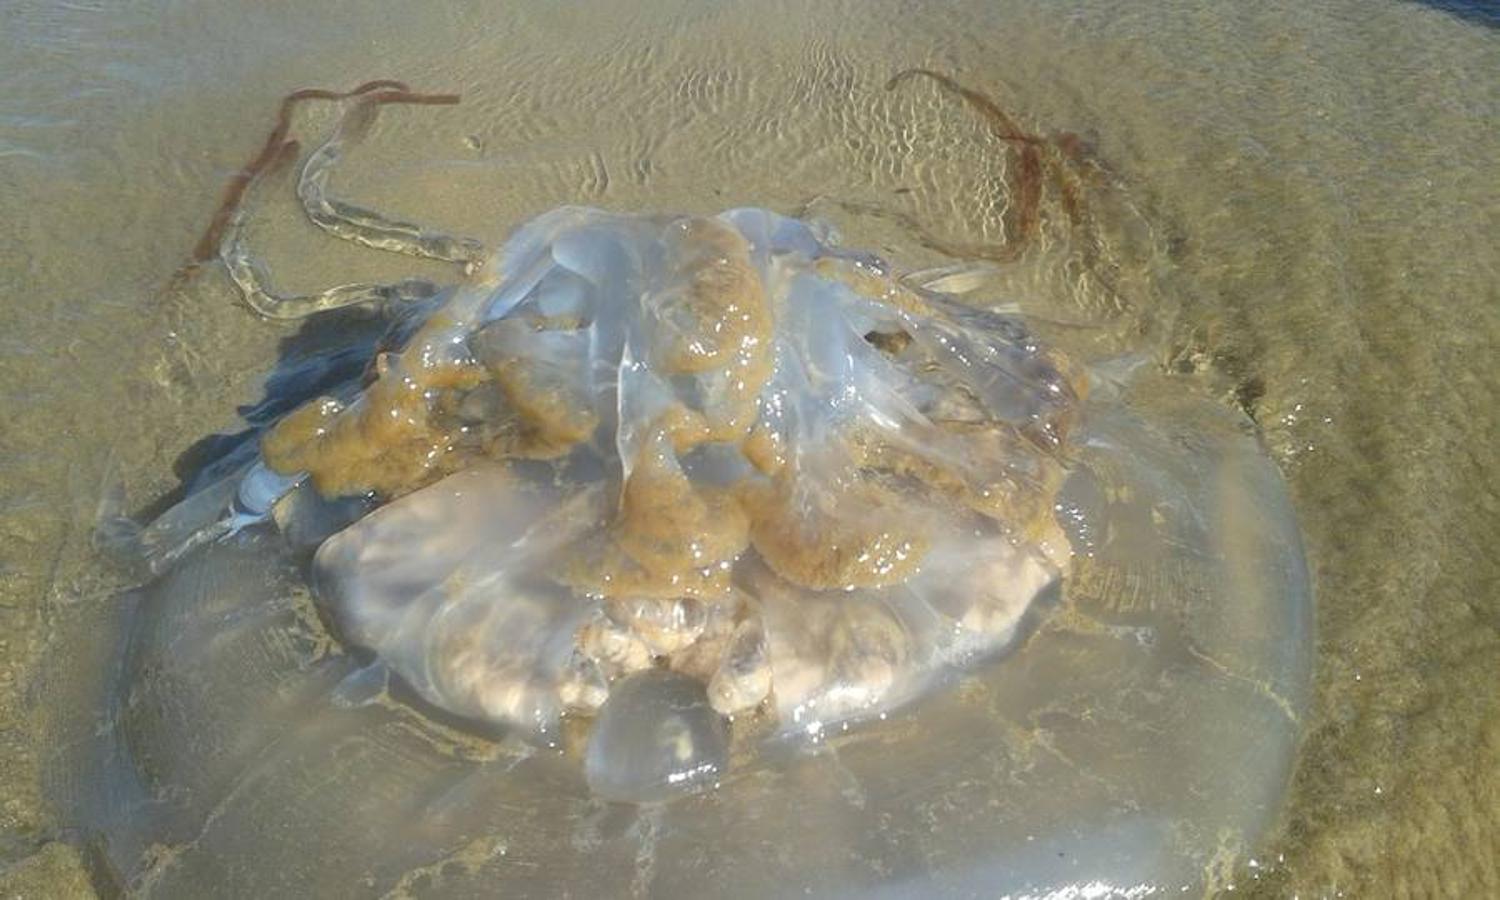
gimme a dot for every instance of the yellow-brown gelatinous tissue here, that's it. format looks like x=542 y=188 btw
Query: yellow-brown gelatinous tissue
x=855 y=538
x=716 y=445
x=389 y=440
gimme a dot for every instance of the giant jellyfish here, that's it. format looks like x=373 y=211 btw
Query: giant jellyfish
x=683 y=554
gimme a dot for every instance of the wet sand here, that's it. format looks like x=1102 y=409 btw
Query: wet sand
x=1319 y=182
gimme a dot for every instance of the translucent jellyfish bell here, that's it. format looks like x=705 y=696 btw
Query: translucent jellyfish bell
x=774 y=468
x=753 y=565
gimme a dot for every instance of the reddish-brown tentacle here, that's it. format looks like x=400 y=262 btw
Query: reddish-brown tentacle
x=1037 y=160
x=1003 y=125
x=208 y=245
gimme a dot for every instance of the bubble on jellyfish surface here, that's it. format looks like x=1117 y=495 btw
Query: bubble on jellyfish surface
x=698 y=554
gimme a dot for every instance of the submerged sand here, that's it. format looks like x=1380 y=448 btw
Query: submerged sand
x=1319 y=181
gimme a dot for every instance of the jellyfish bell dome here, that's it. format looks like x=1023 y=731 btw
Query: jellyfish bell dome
x=699 y=552
x=716 y=446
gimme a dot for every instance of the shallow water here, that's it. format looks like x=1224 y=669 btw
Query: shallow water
x=1319 y=181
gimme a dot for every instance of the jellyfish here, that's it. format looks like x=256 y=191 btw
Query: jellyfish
x=683 y=552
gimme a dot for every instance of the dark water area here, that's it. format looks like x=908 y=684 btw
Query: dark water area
x=1475 y=11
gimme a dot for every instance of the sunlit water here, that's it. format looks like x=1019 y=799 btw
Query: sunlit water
x=1318 y=185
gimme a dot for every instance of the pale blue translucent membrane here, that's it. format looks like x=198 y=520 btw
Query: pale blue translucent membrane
x=1138 y=732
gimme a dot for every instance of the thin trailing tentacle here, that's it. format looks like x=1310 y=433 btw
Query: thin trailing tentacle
x=1061 y=159
x=1036 y=158
x=226 y=234
x=253 y=281
x=364 y=226
x=270 y=152
x=1004 y=126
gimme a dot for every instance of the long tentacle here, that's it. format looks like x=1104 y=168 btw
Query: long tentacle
x=1027 y=174
x=226 y=234
x=275 y=144
x=1004 y=126
x=1061 y=159
x=364 y=226
x=253 y=281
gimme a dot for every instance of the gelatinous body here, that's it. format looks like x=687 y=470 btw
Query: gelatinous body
x=862 y=580
x=713 y=445
x=656 y=737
